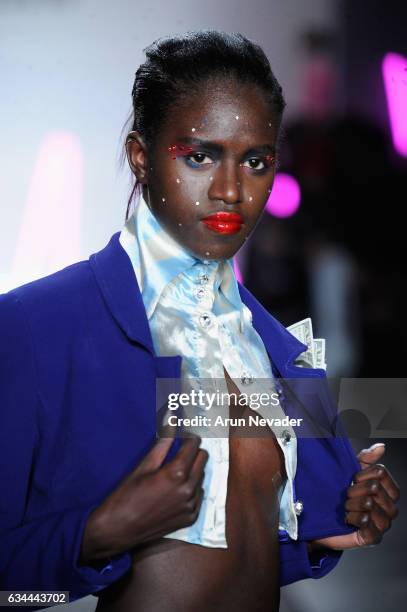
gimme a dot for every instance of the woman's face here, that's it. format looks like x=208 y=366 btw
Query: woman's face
x=214 y=154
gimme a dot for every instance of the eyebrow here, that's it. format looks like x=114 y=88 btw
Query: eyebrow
x=266 y=149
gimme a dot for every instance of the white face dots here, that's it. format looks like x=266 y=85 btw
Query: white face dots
x=193 y=130
x=250 y=198
x=237 y=117
x=196 y=203
x=163 y=199
x=178 y=180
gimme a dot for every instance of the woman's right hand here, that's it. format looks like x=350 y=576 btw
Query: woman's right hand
x=150 y=502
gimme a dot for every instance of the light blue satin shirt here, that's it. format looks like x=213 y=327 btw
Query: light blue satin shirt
x=194 y=310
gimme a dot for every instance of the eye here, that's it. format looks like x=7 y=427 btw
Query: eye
x=198 y=159
x=253 y=164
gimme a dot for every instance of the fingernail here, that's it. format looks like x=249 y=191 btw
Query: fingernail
x=373 y=447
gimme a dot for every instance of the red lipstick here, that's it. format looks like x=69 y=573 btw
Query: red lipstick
x=224 y=222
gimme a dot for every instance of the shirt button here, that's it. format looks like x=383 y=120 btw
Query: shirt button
x=286 y=436
x=203 y=278
x=298 y=507
x=205 y=320
x=200 y=293
x=280 y=392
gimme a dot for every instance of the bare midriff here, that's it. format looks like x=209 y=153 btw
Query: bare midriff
x=175 y=576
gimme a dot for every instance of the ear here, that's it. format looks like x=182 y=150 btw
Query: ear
x=137 y=157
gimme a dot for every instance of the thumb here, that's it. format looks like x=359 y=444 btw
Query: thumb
x=341 y=542
x=155 y=456
x=370 y=456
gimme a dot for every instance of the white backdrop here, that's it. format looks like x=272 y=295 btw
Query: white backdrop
x=66 y=72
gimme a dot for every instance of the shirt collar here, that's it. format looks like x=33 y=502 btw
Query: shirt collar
x=158 y=259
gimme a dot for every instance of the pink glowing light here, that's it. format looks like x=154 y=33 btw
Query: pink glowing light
x=285 y=197
x=394 y=69
x=238 y=273
x=49 y=234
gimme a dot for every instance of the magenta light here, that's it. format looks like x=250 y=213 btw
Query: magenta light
x=285 y=197
x=238 y=273
x=394 y=68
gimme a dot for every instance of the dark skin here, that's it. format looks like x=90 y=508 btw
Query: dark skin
x=174 y=575
x=234 y=170
x=231 y=173
x=370 y=504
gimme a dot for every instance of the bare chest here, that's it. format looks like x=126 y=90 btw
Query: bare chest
x=176 y=575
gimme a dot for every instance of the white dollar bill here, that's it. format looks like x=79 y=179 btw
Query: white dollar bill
x=319 y=353
x=303 y=332
x=314 y=356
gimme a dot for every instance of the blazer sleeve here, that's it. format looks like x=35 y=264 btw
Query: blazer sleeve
x=40 y=554
x=296 y=563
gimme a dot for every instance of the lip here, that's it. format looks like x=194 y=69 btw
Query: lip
x=224 y=216
x=224 y=222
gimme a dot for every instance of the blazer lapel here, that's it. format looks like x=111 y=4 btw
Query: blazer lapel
x=118 y=284
x=282 y=347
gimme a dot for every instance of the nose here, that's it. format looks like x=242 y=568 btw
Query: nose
x=225 y=184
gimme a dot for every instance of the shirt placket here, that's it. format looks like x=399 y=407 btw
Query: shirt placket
x=218 y=447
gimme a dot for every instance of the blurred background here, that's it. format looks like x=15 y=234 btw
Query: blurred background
x=331 y=243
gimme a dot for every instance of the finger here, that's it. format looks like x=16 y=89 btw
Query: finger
x=369 y=534
x=380 y=518
x=156 y=455
x=388 y=482
x=180 y=466
x=383 y=499
x=370 y=472
x=363 y=503
x=197 y=472
x=165 y=429
x=198 y=498
x=358 y=519
x=193 y=514
x=364 y=488
x=358 y=494
x=192 y=506
x=342 y=542
x=376 y=516
x=381 y=473
x=369 y=456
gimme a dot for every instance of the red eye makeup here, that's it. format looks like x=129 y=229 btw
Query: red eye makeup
x=179 y=149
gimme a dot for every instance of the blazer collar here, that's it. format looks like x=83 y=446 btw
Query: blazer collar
x=118 y=283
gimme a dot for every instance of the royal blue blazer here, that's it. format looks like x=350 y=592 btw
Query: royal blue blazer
x=77 y=413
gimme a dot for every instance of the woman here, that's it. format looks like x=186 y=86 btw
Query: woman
x=96 y=500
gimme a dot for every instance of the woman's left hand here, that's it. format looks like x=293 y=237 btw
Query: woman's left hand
x=370 y=504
